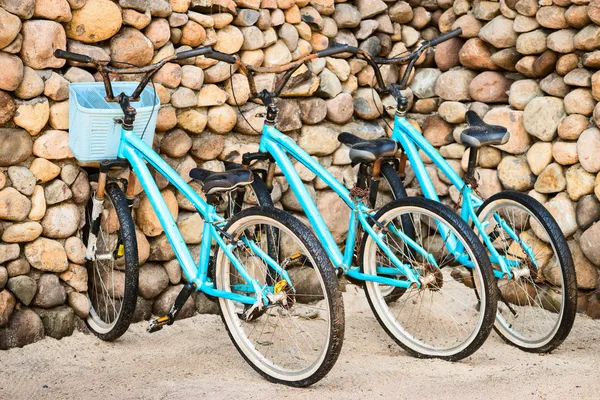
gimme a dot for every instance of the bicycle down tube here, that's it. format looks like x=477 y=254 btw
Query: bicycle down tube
x=136 y=151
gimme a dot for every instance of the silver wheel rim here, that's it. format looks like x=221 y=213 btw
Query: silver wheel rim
x=389 y=317
x=502 y=323
x=231 y=310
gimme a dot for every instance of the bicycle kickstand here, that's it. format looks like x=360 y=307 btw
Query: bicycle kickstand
x=156 y=324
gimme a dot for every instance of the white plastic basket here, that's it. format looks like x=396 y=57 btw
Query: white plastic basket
x=93 y=133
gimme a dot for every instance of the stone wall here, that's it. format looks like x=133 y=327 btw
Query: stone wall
x=524 y=64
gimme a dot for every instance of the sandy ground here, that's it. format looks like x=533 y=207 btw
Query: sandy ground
x=195 y=359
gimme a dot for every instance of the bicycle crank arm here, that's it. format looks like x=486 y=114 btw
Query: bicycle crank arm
x=157 y=324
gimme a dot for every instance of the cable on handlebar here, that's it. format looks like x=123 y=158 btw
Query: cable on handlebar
x=236 y=101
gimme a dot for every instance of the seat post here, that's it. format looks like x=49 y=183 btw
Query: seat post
x=470 y=175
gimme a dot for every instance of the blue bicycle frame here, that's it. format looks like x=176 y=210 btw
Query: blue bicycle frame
x=411 y=141
x=137 y=152
x=279 y=146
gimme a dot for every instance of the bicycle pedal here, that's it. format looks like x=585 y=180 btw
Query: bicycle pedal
x=157 y=324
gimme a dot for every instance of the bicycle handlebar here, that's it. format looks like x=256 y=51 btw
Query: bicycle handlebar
x=250 y=70
x=338 y=49
x=67 y=55
x=150 y=70
x=217 y=55
x=192 y=53
x=290 y=68
x=448 y=35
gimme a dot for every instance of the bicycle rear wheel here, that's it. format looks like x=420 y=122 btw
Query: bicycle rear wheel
x=537 y=309
x=113 y=275
x=452 y=313
x=298 y=337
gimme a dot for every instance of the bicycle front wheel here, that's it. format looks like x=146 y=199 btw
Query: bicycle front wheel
x=113 y=274
x=297 y=338
x=452 y=313
x=536 y=309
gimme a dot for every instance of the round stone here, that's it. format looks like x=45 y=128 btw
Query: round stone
x=131 y=46
x=12 y=71
x=46 y=255
x=571 y=126
x=454 y=85
x=221 y=119
x=40 y=39
x=588 y=146
x=579 y=182
x=13 y=205
x=153 y=280
x=25 y=232
x=61 y=221
x=539 y=156
x=551 y=179
x=229 y=40
x=424 y=82
x=11 y=25
x=542 y=115
x=490 y=87
x=580 y=101
x=522 y=92
x=514 y=174
x=96 y=21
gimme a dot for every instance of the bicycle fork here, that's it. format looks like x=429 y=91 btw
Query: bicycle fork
x=97 y=208
x=96 y=215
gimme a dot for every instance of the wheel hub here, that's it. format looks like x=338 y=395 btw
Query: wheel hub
x=431 y=278
x=282 y=295
x=524 y=272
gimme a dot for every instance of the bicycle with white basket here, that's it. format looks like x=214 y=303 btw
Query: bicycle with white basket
x=279 y=299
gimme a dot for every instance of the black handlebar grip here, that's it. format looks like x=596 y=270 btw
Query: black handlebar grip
x=217 y=55
x=194 y=52
x=448 y=35
x=337 y=50
x=67 y=55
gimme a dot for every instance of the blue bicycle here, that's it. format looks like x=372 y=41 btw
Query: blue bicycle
x=426 y=276
x=533 y=266
x=275 y=285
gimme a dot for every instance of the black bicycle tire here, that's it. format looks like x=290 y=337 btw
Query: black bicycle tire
x=263 y=197
x=566 y=262
x=127 y=228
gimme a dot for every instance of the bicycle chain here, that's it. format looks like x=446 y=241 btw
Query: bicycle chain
x=362 y=194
